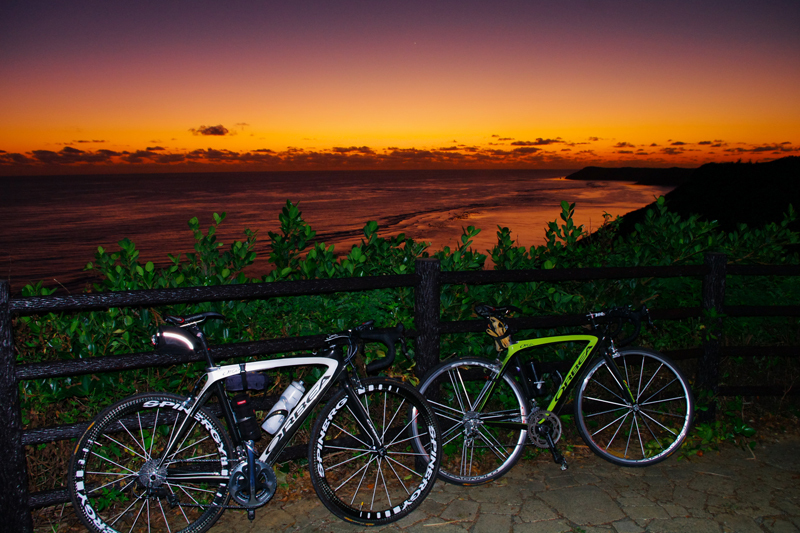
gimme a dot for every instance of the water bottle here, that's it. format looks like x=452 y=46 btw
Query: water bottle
x=283 y=406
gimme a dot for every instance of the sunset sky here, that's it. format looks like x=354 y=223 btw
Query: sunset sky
x=140 y=86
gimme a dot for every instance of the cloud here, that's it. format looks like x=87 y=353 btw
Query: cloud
x=353 y=149
x=69 y=155
x=218 y=130
x=515 y=154
x=538 y=142
x=781 y=148
x=526 y=150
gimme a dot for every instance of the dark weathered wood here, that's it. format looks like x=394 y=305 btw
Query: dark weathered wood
x=248 y=291
x=707 y=379
x=682 y=355
x=755 y=390
x=763 y=270
x=426 y=314
x=113 y=363
x=48 y=498
x=760 y=310
x=13 y=468
x=760 y=351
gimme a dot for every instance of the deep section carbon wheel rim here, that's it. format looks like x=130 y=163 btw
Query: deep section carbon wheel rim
x=371 y=473
x=476 y=445
x=637 y=432
x=121 y=479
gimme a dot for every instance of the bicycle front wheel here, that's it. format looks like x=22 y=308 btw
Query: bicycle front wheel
x=143 y=466
x=364 y=468
x=482 y=418
x=643 y=431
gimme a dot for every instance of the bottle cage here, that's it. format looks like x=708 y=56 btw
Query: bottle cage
x=500 y=331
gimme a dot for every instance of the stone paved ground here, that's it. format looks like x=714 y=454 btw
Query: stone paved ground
x=732 y=491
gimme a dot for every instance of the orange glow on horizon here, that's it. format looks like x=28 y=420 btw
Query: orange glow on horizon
x=655 y=84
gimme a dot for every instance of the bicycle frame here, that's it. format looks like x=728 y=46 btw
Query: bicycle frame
x=594 y=345
x=335 y=373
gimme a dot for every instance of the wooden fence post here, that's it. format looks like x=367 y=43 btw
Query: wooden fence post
x=426 y=314
x=707 y=379
x=14 y=509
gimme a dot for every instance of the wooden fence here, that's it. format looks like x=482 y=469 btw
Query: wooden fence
x=15 y=500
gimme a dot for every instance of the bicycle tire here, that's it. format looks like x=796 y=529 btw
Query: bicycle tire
x=474 y=453
x=641 y=433
x=117 y=455
x=374 y=483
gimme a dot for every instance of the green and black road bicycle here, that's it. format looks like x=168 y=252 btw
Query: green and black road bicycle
x=164 y=462
x=633 y=406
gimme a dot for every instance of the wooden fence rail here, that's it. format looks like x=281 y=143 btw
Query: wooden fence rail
x=427 y=281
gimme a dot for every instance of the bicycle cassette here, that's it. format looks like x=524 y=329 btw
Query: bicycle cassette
x=265 y=485
x=540 y=424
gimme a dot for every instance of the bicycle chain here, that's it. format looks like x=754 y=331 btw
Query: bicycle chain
x=191 y=505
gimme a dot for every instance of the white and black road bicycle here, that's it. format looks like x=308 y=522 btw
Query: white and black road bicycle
x=164 y=462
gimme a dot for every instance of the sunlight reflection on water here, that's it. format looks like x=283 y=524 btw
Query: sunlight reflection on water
x=53 y=225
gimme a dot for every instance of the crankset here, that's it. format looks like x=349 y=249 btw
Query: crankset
x=252 y=491
x=544 y=430
x=541 y=424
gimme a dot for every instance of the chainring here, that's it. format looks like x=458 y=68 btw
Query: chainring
x=239 y=485
x=539 y=423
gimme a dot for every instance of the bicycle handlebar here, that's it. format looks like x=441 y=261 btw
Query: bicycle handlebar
x=618 y=315
x=190 y=320
x=364 y=332
x=388 y=339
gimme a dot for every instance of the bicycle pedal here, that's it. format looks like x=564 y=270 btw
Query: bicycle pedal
x=251 y=514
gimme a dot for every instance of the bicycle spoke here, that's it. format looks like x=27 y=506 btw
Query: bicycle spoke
x=350 y=434
x=164 y=516
x=662 y=426
x=354 y=458
x=443 y=410
x=601 y=400
x=364 y=468
x=492 y=443
x=399 y=479
x=458 y=386
x=619 y=386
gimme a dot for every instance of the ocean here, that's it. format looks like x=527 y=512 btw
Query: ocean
x=53 y=225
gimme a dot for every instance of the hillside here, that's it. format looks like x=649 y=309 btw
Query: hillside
x=734 y=193
x=642 y=176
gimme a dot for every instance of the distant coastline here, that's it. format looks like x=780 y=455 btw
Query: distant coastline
x=641 y=176
x=732 y=193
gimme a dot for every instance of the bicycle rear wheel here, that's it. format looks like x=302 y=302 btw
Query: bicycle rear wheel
x=477 y=448
x=637 y=433
x=370 y=473
x=121 y=480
